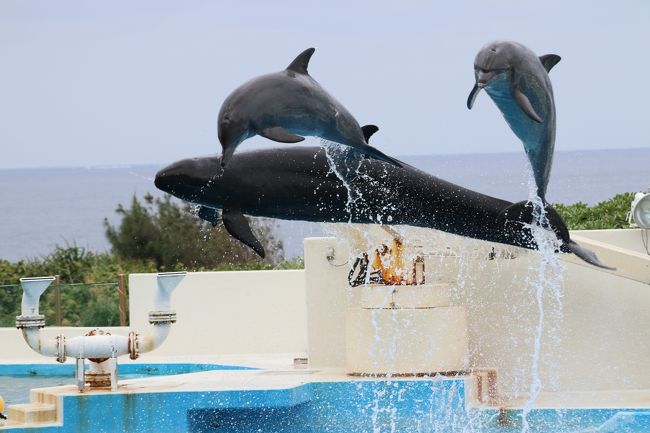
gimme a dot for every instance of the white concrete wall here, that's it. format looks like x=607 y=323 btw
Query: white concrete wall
x=596 y=332
x=228 y=312
x=328 y=297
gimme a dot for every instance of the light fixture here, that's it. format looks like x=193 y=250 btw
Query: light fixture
x=640 y=210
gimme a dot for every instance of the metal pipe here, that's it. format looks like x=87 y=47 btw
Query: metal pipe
x=45 y=346
x=155 y=338
x=30 y=321
x=96 y=346
x=162 y=316
x=167 y=282
x=33 y=288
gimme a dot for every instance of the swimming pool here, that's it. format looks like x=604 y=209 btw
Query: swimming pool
x=17 y=379
x=377 y=406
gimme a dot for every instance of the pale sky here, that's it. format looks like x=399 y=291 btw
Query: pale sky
x=85 y=83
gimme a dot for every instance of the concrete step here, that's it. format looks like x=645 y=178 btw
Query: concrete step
x=40 y=396
x=29 y=413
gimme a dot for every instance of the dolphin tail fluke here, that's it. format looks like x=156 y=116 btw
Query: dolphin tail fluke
x=586 y=255
x=238 y=227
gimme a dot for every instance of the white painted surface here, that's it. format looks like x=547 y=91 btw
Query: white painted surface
x=406 y=341
x=228 y=312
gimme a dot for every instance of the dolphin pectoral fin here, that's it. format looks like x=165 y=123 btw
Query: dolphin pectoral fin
x=472 y=96
x=300 y=63
x=209 y=214
x=238 y=227
x=525 y=105
x=586 y=255
x=368 y=130
x=549 y=60
x=281 y=135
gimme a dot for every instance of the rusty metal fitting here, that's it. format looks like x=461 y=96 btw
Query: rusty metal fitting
x=26 y=322
x=162 y=317
x=95 y=332
x=134 y=346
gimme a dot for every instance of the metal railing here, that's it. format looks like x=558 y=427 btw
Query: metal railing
x=72 y=304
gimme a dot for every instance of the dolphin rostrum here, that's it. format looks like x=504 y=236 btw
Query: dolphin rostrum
x=518 y=83
x=299 y=184
x=284 y=106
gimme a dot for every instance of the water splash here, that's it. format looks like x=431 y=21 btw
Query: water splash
x=548 y=276
x=338 y=158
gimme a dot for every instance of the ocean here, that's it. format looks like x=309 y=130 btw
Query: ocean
x=40 y=208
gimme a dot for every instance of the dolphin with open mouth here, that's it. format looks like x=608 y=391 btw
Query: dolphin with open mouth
x=284 y=106
x=518 y=83
x=299 y=183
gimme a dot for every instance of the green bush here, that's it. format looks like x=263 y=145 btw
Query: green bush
x=609 y=214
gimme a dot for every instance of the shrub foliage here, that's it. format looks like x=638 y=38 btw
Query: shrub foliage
x=608 y=214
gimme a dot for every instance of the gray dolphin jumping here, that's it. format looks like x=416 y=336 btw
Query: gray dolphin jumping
x=284 y=106
x=518 y=83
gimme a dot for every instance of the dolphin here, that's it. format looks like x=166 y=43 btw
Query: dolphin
x=299 y=184
x=284 y=106
x=518 y=83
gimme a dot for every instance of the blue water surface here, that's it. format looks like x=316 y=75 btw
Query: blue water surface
x=17 y=379
x=433 y=406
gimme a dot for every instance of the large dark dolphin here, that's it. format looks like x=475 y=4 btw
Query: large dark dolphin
x=299 y=184
x=284 y=106
x=518 y=83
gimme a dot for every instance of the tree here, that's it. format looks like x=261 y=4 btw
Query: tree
x=174 y=238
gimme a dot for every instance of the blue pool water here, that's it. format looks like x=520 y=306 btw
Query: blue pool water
x=423 y=406
x=17 y=379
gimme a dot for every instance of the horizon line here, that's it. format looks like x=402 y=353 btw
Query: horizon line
x=411 y=155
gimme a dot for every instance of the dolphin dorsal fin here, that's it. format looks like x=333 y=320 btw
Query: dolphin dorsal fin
x=300 y=63
x=549 y=60
x=368 y=130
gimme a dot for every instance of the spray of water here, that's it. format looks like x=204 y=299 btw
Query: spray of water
x=337 y=157
x=548 y=275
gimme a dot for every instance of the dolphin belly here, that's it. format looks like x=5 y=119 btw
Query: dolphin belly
x=537 y=138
